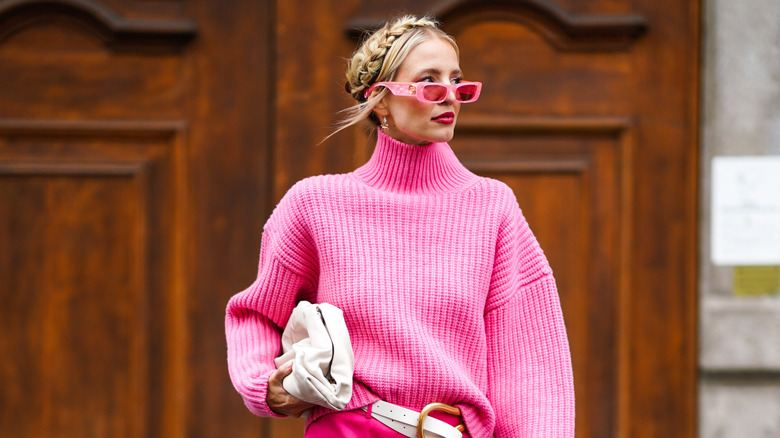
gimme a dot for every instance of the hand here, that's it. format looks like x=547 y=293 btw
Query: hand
x=279 y=400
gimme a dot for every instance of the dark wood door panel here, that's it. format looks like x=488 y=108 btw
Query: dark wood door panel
x=89 y=278
x=79 y=60
x=155 y=110
x=75 y=350
x=570 y=177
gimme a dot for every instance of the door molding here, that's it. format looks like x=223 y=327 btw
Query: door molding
x=565 y=30
x=115 y=31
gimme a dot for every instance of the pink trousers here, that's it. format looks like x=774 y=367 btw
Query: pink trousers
x=358 y=424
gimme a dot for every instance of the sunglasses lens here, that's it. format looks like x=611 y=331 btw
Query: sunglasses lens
x=466 y=92
x=438 y=93
x=434 y=92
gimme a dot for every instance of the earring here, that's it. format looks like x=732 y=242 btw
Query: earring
x=384 y=124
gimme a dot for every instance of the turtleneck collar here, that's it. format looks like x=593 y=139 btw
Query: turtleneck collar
x=413 y=169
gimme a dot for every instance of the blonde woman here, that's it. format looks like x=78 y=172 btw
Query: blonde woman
x=450 y=303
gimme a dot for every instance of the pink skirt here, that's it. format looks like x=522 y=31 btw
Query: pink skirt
x=360 y=424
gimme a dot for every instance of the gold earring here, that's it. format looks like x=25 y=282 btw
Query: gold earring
x=383 y=125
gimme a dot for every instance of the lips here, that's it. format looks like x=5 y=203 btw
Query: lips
x=445 y=118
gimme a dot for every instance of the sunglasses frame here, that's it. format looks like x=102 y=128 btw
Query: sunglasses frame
x=409 y=89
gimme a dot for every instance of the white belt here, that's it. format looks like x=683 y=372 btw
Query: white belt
x=405 y=421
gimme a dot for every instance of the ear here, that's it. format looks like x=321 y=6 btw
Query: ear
x=381 y=109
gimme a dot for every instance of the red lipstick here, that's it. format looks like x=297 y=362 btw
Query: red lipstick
x=446 y=118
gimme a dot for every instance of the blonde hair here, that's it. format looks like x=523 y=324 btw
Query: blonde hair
x=378 y=59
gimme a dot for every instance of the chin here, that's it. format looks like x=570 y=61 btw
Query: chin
x=446 y=135
x=442 y=134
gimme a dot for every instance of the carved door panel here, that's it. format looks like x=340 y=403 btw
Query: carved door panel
x=133 y=182
x=589 y=112
x=591 y=119
x=560 y=130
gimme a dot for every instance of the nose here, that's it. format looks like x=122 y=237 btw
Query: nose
x=450 y=98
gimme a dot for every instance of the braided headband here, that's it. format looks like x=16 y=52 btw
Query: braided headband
x=355 y=91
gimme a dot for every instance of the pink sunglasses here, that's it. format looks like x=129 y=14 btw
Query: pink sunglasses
x=432 y=92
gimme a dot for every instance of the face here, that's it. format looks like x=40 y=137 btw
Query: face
x=414 y=122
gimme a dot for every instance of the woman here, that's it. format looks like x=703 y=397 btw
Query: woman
x=445 y=292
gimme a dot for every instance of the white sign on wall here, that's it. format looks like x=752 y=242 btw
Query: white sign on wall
x=746 y=210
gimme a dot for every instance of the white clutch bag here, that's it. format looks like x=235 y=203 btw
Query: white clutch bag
x=316 y=341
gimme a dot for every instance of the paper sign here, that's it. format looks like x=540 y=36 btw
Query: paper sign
x=746 y=211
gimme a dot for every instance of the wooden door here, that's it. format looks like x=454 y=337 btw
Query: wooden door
x=143 y=144
x=589 y=112
x=135 y=139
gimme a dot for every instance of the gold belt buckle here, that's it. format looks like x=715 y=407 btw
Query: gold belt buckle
x=447 y=409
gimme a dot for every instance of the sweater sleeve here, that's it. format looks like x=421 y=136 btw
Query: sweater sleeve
x=287 y=273
x=529 y=365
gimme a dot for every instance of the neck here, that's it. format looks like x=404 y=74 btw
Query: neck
x=413 y=169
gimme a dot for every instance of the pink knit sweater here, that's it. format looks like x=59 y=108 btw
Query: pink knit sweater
x=445 y=291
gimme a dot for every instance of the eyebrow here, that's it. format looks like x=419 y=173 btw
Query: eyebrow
x=436 y=71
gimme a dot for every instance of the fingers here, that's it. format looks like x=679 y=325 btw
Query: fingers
x=278 y=376
x=279 y=400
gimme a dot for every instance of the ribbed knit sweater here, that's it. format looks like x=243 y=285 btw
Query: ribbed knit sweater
x=445 y=291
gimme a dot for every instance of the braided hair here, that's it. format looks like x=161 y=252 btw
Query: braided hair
x=368 y=61
x=378 y=58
